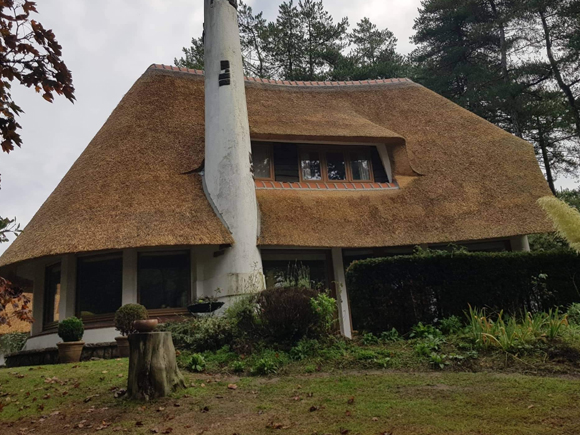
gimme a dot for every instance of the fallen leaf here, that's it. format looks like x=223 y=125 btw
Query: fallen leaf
x=531 y=406
x=177 y=405
x=232 y=387
x=273 y=425
x=138 y=423
x=351 y=400
x=348 y=413
x=168 y=430
x=154 y=430
x=313 y=408
x=105 y=371
x=375 y=419
x=161 y=408
x=205 y=409
x=344 y=431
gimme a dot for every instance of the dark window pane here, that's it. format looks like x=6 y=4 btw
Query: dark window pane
x=262 y=160
x=379 y=172
x=310 y=164
x=360 y=166
x=336 y=166
x=99 y=285
x=51 y=293
x=286 y=162
x=164 y=280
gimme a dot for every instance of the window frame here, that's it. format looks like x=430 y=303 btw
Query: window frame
x=269 y=146
x=45 y=323
x=322 y=150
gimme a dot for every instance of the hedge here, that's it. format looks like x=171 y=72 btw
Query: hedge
x=399 y=292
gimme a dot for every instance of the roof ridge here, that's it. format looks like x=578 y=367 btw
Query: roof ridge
x=200 y=72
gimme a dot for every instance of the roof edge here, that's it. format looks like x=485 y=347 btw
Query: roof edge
x=293 y=83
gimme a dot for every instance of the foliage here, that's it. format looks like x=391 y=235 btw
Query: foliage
x=574 y=313
x=8 y=226
x=202 y=333
x=402 y=291
x=369 y=338
x=32 y=56
x=268 y=365
x=423 y=331
x=71 y=329
x=390 y=336
x=197 y=363
x=13 y=303
x=566 y=219
x=126 y=315
x=437 y=361
x=287 y=314
x=511 y=334
x=305 y=348
x=450 y=325
x=325 y=309
x=13 y=342
x=238 y=367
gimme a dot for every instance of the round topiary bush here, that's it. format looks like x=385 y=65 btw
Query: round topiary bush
x=71 y=329
x=126 y=315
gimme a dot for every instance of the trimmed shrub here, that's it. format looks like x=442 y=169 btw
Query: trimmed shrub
x=201 y=334
x=126 y=315
x=287 y=314
x=71 y=329
x=400 y=292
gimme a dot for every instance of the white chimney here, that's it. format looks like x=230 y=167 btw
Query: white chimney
x=228 y=173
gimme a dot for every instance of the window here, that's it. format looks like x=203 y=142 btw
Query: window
x=99 y=285
x=335 y=164
x=51 y=294
x=262 y=160
x=164 y=279
x=298 y=268
x=291 y=163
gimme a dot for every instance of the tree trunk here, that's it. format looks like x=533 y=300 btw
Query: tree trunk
x=512 y=109
x=546 y=158
x=558 y=75
x=153 y=369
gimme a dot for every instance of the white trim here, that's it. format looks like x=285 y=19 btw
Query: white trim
x=520 y=243
x=341 y=293
x=129 y=288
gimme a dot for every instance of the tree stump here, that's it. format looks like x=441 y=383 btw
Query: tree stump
x=153 y=369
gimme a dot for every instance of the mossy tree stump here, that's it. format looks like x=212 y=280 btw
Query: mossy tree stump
x=153 y=368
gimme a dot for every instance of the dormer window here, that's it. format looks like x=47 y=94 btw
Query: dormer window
x=293 y=163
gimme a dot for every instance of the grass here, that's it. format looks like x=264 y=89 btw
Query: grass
x=80 y=399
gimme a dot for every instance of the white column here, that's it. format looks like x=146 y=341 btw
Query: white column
x=38 y=297
x=68 y=286
x=129 y=277
x=520 y=243
x=193 y=266
x=341 y=293
x=228 y=173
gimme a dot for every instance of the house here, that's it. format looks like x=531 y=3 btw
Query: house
x=212 y=184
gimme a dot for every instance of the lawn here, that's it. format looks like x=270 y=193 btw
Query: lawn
x=81 y=399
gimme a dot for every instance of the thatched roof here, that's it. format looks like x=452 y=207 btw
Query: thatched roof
x=461 y=177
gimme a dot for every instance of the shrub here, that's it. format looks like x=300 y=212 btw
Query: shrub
x=422 y=331
x=126 y=315
x=450 y=325
x=71 y=329
x=369 y=339
x=13 y=342
x=437 y=361
x=390 y=336
x=574 y=313
x=265 y=366
x=286 y=313
x=197 y=363
x=238 y=367
x=201 y=334
x=304 y=348
x=402 y=291
x=325 y=309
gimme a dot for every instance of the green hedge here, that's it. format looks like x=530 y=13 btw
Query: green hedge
x=399 y=292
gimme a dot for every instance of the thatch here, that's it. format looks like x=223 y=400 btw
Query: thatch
x=126 y=190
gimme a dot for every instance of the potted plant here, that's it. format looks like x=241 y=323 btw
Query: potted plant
x=71 y=331
x=207 y=304
x=124 y=323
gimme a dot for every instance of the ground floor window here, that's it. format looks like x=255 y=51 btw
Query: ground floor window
x=302 y=268
x=99 y=284
x=51 y=294
x=164 y=279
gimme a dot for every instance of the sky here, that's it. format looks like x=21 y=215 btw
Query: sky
x=108 y=44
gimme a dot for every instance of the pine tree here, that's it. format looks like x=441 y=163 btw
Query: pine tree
x=253 y=37
x=193 y=56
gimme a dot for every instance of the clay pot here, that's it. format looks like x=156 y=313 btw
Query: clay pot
x=148 y=325
x=70 y=352
x=122 y=347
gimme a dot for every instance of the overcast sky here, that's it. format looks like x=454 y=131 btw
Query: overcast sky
x=107 y=45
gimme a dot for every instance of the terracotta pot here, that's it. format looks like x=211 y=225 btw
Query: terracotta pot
x=122 y=347
x=148 y=325
x=70 y=352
